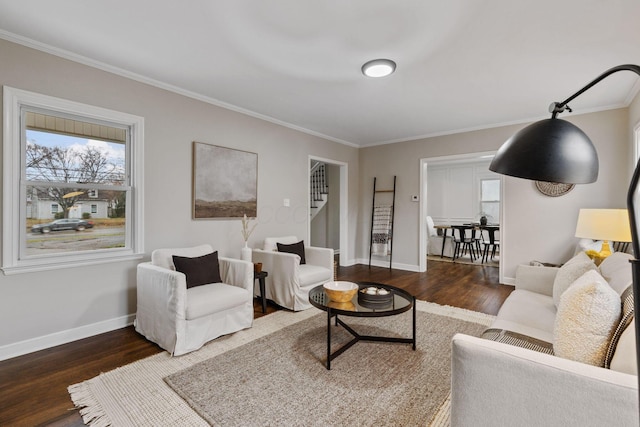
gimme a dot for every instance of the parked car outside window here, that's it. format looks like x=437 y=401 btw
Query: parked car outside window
x=62 y=224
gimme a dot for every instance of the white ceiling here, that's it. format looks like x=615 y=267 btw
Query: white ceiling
x=462 y=64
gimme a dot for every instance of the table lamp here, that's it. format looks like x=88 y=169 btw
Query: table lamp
x=554 y=150
x=604 y=224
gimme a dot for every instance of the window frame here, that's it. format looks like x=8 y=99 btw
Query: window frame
x=14 y=217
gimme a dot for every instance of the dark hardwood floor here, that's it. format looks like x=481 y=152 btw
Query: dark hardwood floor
x=33 y=388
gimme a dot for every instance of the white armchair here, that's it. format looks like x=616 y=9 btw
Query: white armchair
x=181 y=320
x=434 y=242
x=289 y=282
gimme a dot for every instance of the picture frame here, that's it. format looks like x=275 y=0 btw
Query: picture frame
x=225 y=182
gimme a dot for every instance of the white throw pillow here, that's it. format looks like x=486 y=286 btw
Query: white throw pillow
x=588 y=313
x=569 y=273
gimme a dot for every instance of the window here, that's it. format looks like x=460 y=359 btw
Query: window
x=62 y=154
x=490 y=199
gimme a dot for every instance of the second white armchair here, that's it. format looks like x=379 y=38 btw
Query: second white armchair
x=289 y=280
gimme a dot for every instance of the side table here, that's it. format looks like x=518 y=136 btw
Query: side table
x=260 y=277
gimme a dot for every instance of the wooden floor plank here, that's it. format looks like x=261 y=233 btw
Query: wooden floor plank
x=33 y=388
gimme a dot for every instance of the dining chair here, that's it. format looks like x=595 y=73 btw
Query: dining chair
x=492 y=245
x=463 y=236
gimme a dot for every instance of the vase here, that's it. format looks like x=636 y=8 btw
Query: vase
x=245 y=253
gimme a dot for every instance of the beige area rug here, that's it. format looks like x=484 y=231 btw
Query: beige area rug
x=466 y=259
x=137 y=395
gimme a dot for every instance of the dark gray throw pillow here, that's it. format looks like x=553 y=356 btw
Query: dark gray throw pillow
x=200 y=270
x=294 y=248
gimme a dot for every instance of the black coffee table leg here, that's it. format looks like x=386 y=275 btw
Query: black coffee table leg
x=328 y=338
x=414 y=323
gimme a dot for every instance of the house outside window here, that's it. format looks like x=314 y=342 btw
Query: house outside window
x=79 y=159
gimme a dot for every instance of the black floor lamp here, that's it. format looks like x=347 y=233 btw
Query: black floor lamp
x=555 y=150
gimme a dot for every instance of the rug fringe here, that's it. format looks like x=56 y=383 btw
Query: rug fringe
x=442 y=418
x=89 y=407
x=456 y=312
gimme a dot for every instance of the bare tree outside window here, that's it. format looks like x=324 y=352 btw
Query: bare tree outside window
x=77 y=161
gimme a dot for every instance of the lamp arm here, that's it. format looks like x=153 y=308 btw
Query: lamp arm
x=559 y=107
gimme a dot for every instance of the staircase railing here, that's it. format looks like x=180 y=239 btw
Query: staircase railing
x=319 y=185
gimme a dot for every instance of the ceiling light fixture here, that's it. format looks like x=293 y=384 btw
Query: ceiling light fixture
x=378 y=68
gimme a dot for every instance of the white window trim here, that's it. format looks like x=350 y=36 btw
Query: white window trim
x=14 y=99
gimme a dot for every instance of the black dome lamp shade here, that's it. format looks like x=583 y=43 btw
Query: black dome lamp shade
x=555 y=150
x=552 y=150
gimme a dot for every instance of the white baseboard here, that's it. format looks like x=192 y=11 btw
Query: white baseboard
x=508 y=281
x=63 y=337
x=396 y=265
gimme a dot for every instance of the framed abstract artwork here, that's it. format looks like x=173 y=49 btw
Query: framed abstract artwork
x=225 y=182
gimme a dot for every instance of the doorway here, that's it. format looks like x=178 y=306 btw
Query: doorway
x=471 y=207
x=327 y=225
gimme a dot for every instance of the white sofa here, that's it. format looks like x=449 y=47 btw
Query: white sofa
x=495 y=383
x=288 y=282
x=182 y=320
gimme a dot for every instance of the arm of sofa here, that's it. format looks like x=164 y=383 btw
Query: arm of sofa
x=498 y=384
x=284 y=275
x=319 y=256
x=536 y=279
x=161 y=304
x=237 y=272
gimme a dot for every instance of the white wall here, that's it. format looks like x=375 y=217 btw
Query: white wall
x=453 y=191
x=47 y=308
x=534 y=226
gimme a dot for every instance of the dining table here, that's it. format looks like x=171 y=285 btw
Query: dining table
x=491 y=228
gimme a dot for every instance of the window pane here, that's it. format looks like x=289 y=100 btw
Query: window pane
x=82 y=223
x=490 y=190
x=58 y=157
x=491 y=210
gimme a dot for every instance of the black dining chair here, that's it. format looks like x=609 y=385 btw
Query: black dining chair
x=463 y=237
x=492 y=245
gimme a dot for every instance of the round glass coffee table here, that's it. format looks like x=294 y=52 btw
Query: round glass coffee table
x=360 y=306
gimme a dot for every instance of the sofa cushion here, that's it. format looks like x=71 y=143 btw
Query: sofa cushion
x=624 y=357
x=527 y=313
x=616 y=269
x=313 y=274
x=200 y=270
x=588 y=313
x=568 y=273
x=625 y=321
x=293 y=248
x=214 y=298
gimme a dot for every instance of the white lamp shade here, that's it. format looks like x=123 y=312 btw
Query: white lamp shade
x=604 y=224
